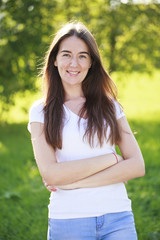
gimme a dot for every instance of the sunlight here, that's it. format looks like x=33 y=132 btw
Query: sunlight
x=141 y=1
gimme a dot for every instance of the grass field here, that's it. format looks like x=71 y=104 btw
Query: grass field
x=23 y=198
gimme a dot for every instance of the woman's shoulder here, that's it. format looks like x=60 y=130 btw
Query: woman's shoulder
x=38 y=104
x=118 y=109
x=36 y=107
x=36 y=111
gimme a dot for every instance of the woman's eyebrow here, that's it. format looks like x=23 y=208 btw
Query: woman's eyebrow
x=65 y=51
x=83 y=52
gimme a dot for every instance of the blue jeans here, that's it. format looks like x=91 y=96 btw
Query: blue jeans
x=112 y=226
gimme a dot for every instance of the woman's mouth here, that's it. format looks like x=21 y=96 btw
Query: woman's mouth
x=73 y=73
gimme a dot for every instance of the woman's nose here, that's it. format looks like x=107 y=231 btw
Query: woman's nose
x=74 y=62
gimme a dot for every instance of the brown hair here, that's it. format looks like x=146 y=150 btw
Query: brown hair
x=98 y=88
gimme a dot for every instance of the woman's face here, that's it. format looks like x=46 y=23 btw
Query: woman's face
x=73 y=61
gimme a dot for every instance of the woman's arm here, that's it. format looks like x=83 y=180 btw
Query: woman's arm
x=68 y=172
x=131 y=167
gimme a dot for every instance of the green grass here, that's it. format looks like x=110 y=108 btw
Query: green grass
x=145 y=192
x=140 y=95
x=23 y=198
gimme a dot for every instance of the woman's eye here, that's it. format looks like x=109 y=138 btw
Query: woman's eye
x=66 y=55
x=82 y=56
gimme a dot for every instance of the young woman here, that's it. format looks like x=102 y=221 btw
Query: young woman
x=74 y=131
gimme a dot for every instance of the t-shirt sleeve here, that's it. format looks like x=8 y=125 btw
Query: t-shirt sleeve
x=119 y=111
x=36 y=114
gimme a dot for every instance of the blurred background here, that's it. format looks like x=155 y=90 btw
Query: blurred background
x=128 y=35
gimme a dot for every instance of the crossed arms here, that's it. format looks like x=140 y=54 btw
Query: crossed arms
x=90 y=172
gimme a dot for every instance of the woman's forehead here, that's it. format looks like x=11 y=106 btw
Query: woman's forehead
x=73 y=44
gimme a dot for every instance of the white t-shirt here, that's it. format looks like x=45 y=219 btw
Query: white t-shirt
x=84 y=202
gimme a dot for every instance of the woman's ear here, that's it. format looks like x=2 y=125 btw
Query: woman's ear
x=90 y=63
x=55 y=63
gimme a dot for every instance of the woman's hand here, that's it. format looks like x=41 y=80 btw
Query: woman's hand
x=49 y=188
x=54 y=189
x=120 y=158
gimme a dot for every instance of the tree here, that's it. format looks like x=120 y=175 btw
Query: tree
x=24 y=25
x=127 y=35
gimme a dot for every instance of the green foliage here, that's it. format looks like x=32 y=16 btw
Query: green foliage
x=24 y=27
x=127 y=34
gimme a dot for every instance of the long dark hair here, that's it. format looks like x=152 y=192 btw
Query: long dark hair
x=98 y=88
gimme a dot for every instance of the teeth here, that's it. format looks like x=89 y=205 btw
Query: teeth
x=73 y=73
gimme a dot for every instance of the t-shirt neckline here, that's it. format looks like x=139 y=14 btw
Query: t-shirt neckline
x=74 y=114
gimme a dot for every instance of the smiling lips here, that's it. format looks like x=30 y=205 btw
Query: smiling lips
x=73 y=73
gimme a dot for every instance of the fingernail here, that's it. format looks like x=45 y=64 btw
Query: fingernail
x=53 y=189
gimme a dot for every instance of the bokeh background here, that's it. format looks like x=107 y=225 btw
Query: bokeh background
x=128 y=36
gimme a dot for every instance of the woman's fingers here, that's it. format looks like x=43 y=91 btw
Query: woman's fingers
x=49 y=188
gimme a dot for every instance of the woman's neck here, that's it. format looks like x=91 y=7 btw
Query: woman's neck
x=73 y=94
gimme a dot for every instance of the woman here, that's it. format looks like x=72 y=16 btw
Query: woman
x=74 y=131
